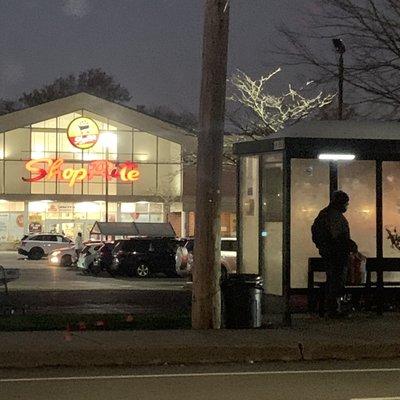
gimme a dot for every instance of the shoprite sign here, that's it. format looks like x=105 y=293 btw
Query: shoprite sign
x=49 y=169
x=83 y=133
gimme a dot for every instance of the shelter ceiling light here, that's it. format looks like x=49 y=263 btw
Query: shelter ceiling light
x=336 y=157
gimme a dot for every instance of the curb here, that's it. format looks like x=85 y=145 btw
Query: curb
x=356 y=351
x=159 y=355
x=141 y=356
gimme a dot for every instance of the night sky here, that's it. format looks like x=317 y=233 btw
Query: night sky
x=153 y=47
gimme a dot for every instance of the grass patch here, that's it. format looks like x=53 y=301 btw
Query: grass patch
x=93 y=322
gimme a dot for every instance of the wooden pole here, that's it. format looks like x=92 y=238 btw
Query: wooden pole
x=206 y=298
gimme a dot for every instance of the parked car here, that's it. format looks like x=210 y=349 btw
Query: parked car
x=66 y=256
x=184 y=257
x=37 y=246
x=104 y=258
x=88 y=255
x=143 y=257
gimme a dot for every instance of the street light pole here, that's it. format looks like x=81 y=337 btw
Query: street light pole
x=340 y=48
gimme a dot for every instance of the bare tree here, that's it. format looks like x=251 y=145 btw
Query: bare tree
x=261 y=113
x=371 y=31
x=272 y=113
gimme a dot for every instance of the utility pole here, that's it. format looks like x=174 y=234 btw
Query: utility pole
x=206 y=297
x=340 y=48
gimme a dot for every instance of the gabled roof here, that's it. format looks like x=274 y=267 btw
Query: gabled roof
x=119 y=113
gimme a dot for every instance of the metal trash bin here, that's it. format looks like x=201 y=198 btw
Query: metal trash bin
x=241 y=301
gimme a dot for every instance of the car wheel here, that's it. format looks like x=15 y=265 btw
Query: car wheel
x=66 y=261
x=142 y=270
x=36 y=253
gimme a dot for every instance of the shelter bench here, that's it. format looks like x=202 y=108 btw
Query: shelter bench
x=374 y=291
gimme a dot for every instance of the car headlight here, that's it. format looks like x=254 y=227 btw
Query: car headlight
x=54 y=260
x=55 y=253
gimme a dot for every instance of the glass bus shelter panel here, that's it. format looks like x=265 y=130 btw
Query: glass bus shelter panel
x=309 y=195
x=249 y=195
x=272 y=217
x=358 y=180
x=391 y=212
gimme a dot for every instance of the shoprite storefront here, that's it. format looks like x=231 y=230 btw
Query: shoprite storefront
x=73 y=161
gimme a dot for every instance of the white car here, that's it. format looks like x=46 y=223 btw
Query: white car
x=184 y=257
x=88 y=255
x=37 y=246
x=66 y=256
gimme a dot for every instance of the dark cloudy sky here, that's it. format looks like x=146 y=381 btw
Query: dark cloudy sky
x=153 y=47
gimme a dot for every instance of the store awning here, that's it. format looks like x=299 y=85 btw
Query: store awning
x=155 y=229
x=132 y=229
x=114 y=229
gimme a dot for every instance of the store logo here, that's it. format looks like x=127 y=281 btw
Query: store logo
x=49 y=169
x=83 y=133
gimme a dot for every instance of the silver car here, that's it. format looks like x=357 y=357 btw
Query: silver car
x=88 y=255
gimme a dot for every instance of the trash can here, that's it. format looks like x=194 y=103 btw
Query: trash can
x=241 y=301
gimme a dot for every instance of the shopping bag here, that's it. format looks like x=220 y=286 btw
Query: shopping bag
x=357 y=271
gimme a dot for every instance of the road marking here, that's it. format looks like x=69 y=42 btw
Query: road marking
x=203 y=374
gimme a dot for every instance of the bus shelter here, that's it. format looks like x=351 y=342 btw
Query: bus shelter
x=286 y=179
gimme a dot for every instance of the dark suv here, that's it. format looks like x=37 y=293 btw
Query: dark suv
x=145 y=256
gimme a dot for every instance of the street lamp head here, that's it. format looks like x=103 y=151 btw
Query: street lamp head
x=339 y=45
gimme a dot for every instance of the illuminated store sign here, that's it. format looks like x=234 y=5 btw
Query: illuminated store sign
x=83 y=133
x=49 y=169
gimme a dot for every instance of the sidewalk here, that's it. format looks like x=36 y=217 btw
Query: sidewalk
x=364 y=336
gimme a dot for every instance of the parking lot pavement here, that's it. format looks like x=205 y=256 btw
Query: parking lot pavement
x=44 y=289
x=38 y=275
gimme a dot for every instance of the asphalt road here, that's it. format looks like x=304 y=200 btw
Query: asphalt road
x=47 y=289
x=283 y=381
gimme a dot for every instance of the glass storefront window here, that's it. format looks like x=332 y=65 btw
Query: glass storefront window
x=358 y=179
x=49 y=123
x=11 y=220
x=18 y=144
x=144 y=147
x=249 y=189
x=168 y=152
x=169 y=180
x=142 y=211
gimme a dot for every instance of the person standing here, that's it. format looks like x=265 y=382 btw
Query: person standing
x=331 y=235
x=78 y=244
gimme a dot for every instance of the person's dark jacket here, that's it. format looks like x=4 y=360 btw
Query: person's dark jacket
x=333 y=237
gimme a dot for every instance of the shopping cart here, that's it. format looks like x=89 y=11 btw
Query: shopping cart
x=7 y=275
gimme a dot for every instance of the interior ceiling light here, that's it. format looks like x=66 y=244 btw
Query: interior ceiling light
x=336 y=157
